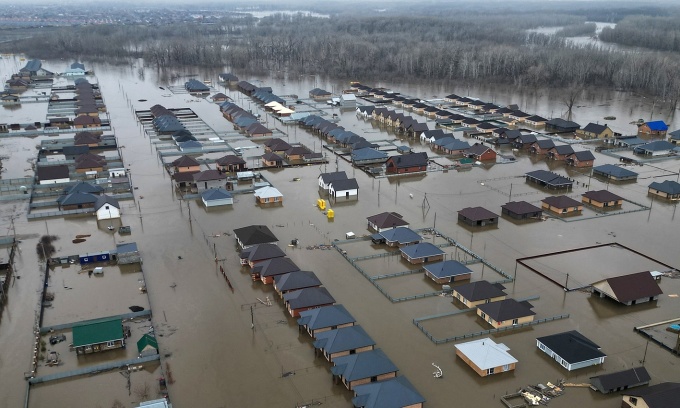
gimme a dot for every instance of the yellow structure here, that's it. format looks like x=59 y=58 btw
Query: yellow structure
x=321 y=203
x=330 y=214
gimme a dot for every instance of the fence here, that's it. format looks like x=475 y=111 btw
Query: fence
x=484 y=332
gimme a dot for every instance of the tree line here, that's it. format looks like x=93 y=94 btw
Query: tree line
x=466 y=47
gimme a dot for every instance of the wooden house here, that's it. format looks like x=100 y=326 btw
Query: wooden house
x=486 y=357
x=571 y=350
x=506 y=312
x=304 y=299
x=324 y=319
x=594 y=130
x=477 y=293
x=94 y=336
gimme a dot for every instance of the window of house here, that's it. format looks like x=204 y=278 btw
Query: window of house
x=110 y=344
x=541 y=346
x=483 y=315
x=633 y=400
x=515 y=321
x=490 y=371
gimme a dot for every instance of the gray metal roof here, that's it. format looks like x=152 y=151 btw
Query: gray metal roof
x=485 y=353
x=447 y=269
x=343 y=339
x=308 y=297
x=296 y=280
x=393 y=393
x=275 y=266
x=216 y=194
x=363 y=365
x=262 y=252
x=327 y=316
x=105 y=199
x=668 y=186
x=402 y=235
x=612 y=170
x=572 y=346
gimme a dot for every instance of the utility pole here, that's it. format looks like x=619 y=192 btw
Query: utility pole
x=510 y=196
x=644 y=357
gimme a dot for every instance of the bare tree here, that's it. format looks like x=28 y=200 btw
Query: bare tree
x=142 y=391
x=570 y=97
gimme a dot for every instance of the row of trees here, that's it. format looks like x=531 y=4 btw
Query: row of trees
x=656 y=33
x=487 y=49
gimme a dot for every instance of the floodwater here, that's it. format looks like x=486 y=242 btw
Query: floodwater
x=217 y=360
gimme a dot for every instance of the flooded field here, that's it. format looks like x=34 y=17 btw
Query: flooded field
x=217 y=359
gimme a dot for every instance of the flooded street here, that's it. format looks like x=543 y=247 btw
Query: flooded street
x=204 y=330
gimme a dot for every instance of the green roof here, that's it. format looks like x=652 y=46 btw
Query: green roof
x=97 y=331
x=146 y=341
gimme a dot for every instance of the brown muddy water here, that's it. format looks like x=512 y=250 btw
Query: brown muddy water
x=217 y=360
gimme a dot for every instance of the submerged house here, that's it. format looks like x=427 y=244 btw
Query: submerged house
x=667 y=189
x=614 y=173
x=506 y=312
x=396 y=392
x=422 y=252
x=363 y=368
x=94 y=336
x=663 y=395
x=297 y=280
x=477 y=293
x=629 y=289
x=325 y=318
x=621 y=380
x=343 y=342
x=386 y=220
x=571 y=350
x=486 y=357
x=521 y=210
x=602 y=199
x=414 y=162
x=106 y=208
x=477 y=216
x=271 y=269
x=447 y=271
x=304 y=299
x=561 y=205
x=254 y=235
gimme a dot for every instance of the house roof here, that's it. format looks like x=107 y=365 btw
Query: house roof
x=363 y=365
x=477 y=213
x=97 y=331
x=392 y=393
x=216 y=194
x=126 y=247
x=308 y=297
x=272 y=157
x=209 y=175
x=602 y=196
x=255 y=234
x=86 y=138
x=336 y=175
x=595 y=128
x=230 y=159
x=480 y=290
x=485 y=353
x=563 y=149
x=457 y=145
x=147 y=340
x=478 y=149
x=520 y=207
x=621 y=379
x=675 y=135
x=185 y=161
x=368 y=153
x=387 y=220
x=52 y=172
x=257 y=128
x=664 y=395
x=584 y=155
x=507 y=309
x=342 y=339
x=86 y=120
x=561 y=201
x=267 y=192
x=447 y=269
x=327 y=316
x=402 y=235
x=535 y=118
x=633 y=286
x=421 y=250
x=194 y=85
x=616 y=171
x=344 y=185
x=262 y=252
x=296 y=280
x=631 y=141
x=549 y=178
x=667 y=186
x=572 y=346
x=77 y=198
x=167 y=123
x=559 y=122
x=83 y=187
x=657 y=125
x=526 y=138
x=319 y=92
x=656 y=146
x=409 y=160
x=104 y=199
x=275 y=267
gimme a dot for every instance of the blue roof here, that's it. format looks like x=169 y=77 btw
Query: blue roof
x=363 y=365
x=296 y=280
x=402 y=235
x=668 y=186
x=657 y=125
x=308 y=297
x=343 y=339
x=616 y=171
x=421 y=250
x=216 y=194
x=367 y=153
x=194 y=85
x=457 y=145
x=323 y=317
x=393 y=393
x=446 y=269
x=656 y=146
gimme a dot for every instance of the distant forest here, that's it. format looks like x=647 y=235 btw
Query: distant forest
x=473 y=46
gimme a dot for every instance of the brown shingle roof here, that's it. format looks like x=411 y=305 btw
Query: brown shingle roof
x=634 y=286
x=601 y=196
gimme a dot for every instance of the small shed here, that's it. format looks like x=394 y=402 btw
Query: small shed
x=147 y=346
x=127 y=253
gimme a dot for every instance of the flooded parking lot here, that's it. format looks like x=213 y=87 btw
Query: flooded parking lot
x=218 y=360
